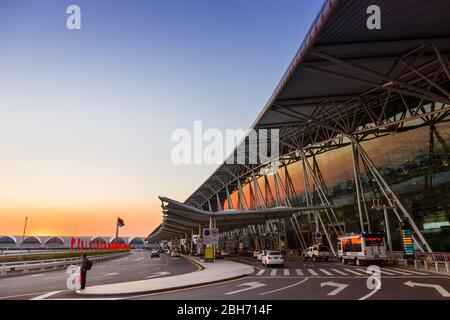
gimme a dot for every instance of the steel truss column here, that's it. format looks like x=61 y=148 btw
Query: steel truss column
x=259 y=198
x=219 y=205
x=390 y=196
x=230 y=203
x=241 y=197
x=323 y=198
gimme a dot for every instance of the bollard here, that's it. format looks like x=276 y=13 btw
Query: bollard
x=425 y=264
x=415 y=264
x=447 y=267
x=437 y=266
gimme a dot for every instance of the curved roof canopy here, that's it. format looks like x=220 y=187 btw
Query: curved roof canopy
x=346 y=79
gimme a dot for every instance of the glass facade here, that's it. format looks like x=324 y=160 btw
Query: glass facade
x=414 y=162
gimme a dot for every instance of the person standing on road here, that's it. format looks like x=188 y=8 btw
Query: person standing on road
x=86 y=265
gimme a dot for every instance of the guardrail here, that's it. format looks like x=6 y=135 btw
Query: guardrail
x=14 y=268
x=425 y=259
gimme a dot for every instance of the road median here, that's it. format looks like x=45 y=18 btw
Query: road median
x=210 y=273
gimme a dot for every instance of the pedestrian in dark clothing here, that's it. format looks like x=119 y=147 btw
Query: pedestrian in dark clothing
x=85 y=265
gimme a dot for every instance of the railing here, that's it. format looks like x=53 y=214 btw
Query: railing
x=8 y=268
x=425 y=259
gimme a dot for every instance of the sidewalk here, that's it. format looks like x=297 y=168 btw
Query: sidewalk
x=218 y=271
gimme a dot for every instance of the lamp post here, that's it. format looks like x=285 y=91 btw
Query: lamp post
x=23 y=235
x=377 y=206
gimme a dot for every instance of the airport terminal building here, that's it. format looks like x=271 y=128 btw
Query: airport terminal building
x=364 y=138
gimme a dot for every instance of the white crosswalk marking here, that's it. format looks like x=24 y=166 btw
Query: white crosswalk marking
x=339 y=272
x=326 y=272
x=313 y=272
x=382 y=271
x=273 y=272
x=299 y=272
x=414 y=272
x=260 y=273
x=354 y=272
x=400 y=272
x=286 y=272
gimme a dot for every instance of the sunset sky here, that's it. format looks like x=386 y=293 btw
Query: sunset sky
x=86 y=115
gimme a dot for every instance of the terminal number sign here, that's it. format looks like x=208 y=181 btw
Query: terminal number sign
x=408 y=243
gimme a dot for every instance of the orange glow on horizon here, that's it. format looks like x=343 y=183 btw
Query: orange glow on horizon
x=140 y=220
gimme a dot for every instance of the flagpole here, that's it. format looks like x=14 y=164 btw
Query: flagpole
x=117 y=228
x=23 y=235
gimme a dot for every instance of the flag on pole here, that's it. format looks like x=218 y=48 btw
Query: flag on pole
x=120 y=222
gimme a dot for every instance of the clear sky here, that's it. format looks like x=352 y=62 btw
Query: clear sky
x=86 y=115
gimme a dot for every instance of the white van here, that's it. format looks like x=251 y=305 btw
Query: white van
x=362 y=248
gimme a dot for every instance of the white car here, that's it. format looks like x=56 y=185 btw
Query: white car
x=260 y=255
x=272 y=258
x=175 y=254
x=225 y=253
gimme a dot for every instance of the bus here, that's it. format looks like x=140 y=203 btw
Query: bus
x=362 y=248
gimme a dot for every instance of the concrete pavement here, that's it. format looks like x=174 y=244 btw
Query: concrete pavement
x=136 y=266
x=219 y=271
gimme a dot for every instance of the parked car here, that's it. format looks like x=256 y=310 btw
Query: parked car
x=272 y=258
x=225 y=253
x=247 y=253
x=175 y=254
x=154 y=254
x=317 y=252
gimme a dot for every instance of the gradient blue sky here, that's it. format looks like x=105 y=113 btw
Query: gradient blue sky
x=86 y=115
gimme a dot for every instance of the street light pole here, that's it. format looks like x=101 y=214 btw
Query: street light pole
x=23 y=235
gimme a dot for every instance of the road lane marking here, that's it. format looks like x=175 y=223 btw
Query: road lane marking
x=381 y=271
x=414 y=272
x=55 y=278
x=339 y=272
x=273 y=272
x=354 y=272
x=37 y=275
x=158 y=274
x=313 y=272
x=436 y=287
x=286 y=272
x=400 y=272
x=326 y=272
x=339 y=287
x=299 y=272
x=46 y=295
x=250 y=286
x=260 y=273
x=284 y=288
x=369 y=294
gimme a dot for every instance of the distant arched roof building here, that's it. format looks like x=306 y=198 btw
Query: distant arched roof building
x=55 y=241
x=117 y=240
x=32 y=240
x=136 y=240
x=98 y=240
x=8 y=240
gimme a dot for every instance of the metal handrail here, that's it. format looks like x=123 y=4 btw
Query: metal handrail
x=26 y=266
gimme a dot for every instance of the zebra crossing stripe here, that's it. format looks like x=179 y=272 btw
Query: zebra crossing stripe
x=382 y=271
x=273 y=272
x=299 y=272
x=354 y=272
x=400 y=272
x=313 y=272
x=326 y=272
x=286 y=272
x=339 y=272
x=260 y=273
x=414 y=272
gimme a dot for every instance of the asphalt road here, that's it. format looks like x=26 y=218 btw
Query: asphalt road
x=136 y=266
x=296 y=280
x=317 y=280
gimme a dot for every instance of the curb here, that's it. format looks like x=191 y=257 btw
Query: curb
x=146 y=292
